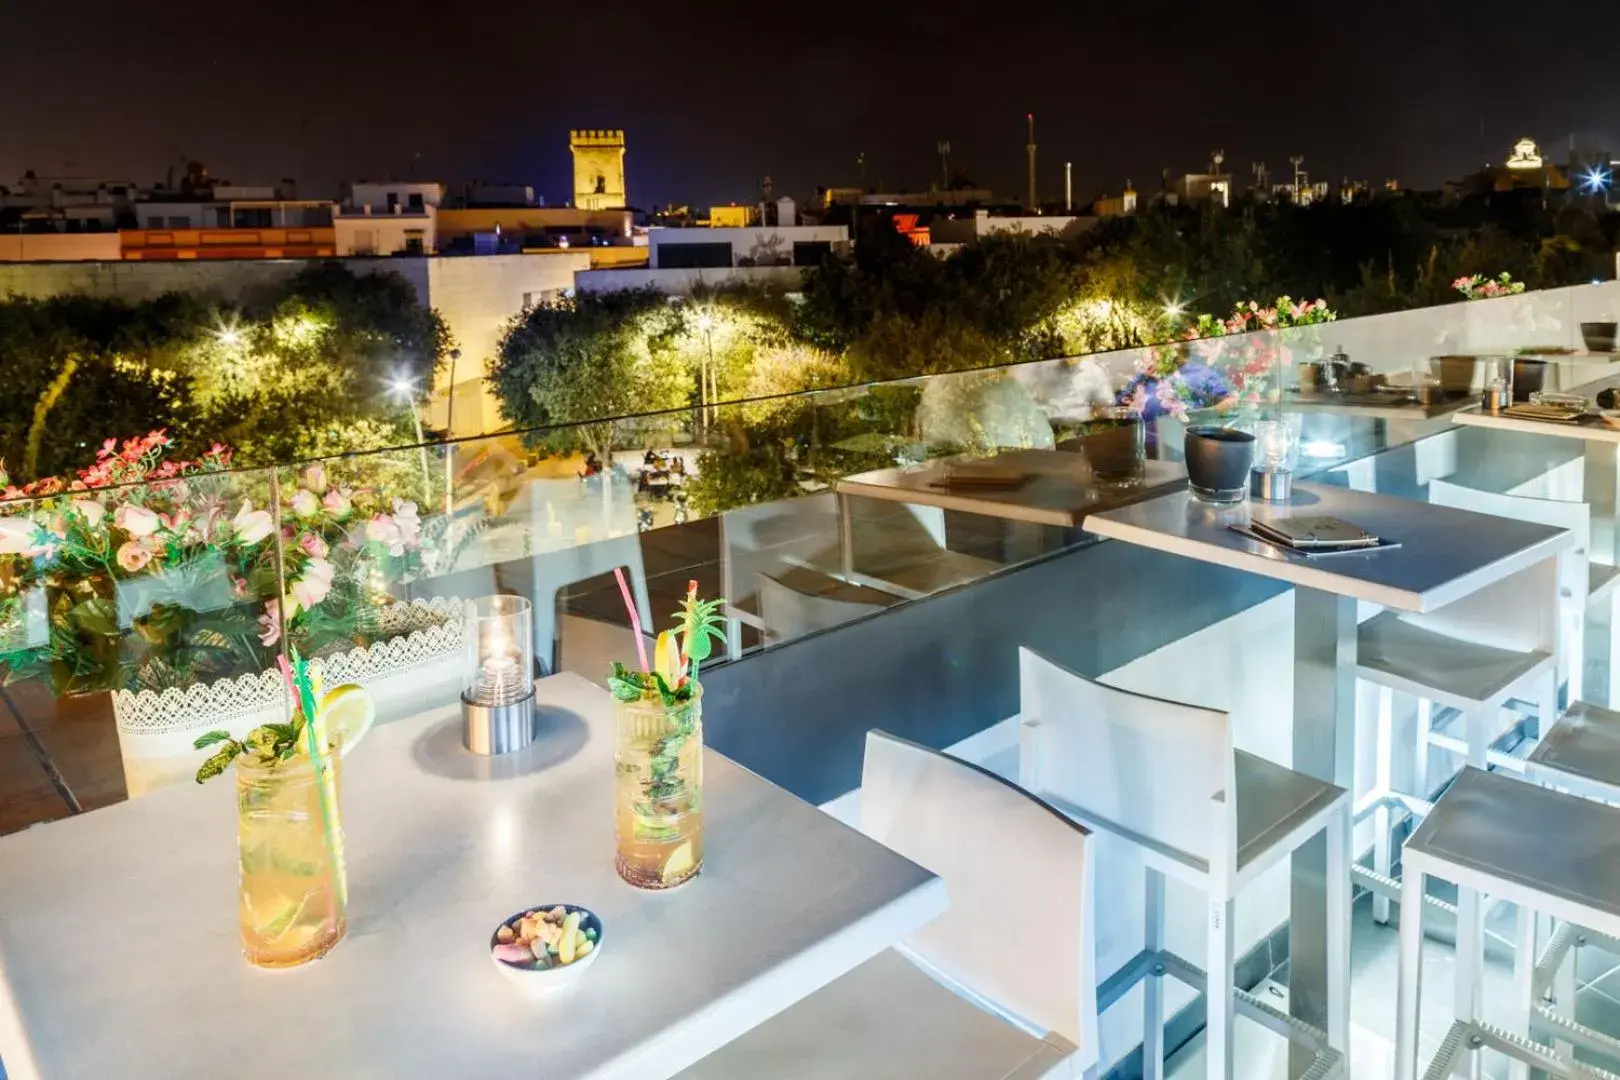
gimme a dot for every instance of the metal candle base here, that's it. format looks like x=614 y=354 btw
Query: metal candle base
x=1271 y=486
x=497 y=729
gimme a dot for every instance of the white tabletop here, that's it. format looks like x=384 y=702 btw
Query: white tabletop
x=119 y=953
x=1589 y=429
x=1445 y=554
x=1060 y=490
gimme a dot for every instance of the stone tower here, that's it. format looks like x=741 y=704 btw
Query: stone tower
x=598 y=169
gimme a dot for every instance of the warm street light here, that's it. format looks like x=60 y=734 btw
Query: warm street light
x=405 y=388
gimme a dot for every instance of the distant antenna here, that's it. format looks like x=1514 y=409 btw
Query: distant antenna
x=1215 y=160
x=1030 y=148
x=1296 y=161
x=944 y=148
x=860 y=160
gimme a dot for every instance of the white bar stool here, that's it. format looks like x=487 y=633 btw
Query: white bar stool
x=1580 y=754
x=1488 y=834
x=1000 y=987
x=1164 y=778
x=1472 y=657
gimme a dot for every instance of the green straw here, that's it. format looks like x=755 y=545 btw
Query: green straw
x=323 y=777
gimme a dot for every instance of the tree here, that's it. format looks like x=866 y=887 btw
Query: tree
x=565 y=370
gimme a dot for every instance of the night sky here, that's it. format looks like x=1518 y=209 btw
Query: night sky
x=713 y=96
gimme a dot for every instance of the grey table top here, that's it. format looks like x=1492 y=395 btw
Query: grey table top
x=1060 y=490
x=119 y=951
x=1445 y=554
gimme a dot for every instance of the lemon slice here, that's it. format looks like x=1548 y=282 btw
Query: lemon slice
x=346 y=713
x=679 y=862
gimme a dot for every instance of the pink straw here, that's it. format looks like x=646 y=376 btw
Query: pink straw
x=635 y=618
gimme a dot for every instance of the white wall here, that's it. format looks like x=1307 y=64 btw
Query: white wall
x=383 y=233
x=478 y=295
x=681 y=282
x=376 y=195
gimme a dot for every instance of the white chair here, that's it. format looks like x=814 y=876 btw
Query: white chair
x=1471 y=657
x=1164 y=778
x=1000 y=987
x=1488 y=835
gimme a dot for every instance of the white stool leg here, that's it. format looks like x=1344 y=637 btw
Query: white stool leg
x=1420 y=763
x=1383 y=839
x=1614 y=649
x=1547 y=705
x=1477 y=731
x=1218 y=1000
x=1468 y=970
x=1338 y=934
x=1408 y=987
x=1563 y=986
x=1524 y=967
x=1153 y=985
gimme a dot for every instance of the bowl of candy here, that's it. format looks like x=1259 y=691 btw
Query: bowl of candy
x=546 y=948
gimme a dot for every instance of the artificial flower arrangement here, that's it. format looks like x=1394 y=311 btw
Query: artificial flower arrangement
x=1480 y=287
x=157 y=573
x=1169 y=382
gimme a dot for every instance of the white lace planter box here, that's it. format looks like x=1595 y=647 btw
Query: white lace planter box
x=415 y=667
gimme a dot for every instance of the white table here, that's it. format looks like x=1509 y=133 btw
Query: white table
x=1060 y=490
x=1601 y=454
x=1445 y=554
x=119 y=953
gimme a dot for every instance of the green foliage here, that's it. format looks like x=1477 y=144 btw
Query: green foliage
x=300 y=370
x=570 y=367
x=269 y=743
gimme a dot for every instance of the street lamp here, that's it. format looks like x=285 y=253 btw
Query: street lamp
x=406 y=389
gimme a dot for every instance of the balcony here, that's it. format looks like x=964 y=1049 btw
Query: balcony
x=228 y=243
x=911 y=538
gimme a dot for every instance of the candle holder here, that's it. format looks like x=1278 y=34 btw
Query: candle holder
x=497 y=696
x=1276 y=452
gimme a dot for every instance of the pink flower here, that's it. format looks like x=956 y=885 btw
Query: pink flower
x=109 y=447
x=311 y=588
x=252 y=525
x=239 y=588
x=133 y=556
x=382 y=529
x=315 y=478
x=312 y=545
x=270 y=622
x=408 y=522
x=304 y=504
x=92 y=511
x=138 y=521
x=337 y=502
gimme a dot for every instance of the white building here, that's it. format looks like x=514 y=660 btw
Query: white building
x=966 y=229
x=755 y=245
x=234 y=208
x=395 y=218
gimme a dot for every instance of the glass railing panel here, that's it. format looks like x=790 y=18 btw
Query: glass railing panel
x=132 y=618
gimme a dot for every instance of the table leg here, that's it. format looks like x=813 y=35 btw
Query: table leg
x=1598 y=489
x=846 y=536
x=1324 y=742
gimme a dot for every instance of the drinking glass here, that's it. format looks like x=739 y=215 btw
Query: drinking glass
x=293 y=904
x=658 y=818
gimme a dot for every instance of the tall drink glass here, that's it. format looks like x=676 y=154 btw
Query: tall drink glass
x=658 y=816
x=293 y=906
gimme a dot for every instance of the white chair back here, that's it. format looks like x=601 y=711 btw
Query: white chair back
x=1517 y=613
x=1019 y=929
x=1158 y=769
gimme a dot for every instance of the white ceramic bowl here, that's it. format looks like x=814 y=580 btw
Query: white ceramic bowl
x=537 y=980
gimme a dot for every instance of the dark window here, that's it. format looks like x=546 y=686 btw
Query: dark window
x=253 y=217
x=416 y=200
x=688 y=256
x=413 y=241
x=811 y=252
x=393 y=199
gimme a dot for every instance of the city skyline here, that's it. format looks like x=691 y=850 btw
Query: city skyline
x=712 y=105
